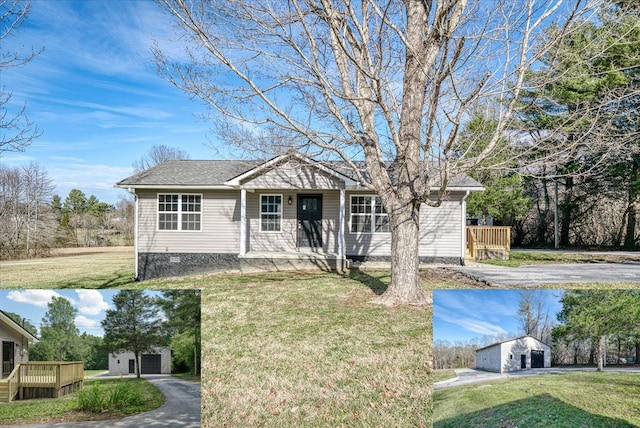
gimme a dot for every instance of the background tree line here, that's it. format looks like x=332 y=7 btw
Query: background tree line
x=583 y=96
x=33 y=219
x=594 y=327
x=138 y=323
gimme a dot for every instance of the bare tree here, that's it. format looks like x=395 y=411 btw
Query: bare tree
x=16 y=130
x=533 y=316
x=158 y=154
x=386 y=82
x=27 y=223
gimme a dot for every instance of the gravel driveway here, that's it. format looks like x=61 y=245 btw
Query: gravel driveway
x=181 y=409
x=537 y=275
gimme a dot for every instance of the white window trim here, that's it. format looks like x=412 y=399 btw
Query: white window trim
x=373 y=215
x=179 y=212
x=281 y=212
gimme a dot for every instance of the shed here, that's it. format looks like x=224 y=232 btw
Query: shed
x=521 y=353
x=157 y=361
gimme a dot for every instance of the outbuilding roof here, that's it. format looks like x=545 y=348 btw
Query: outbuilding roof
x=511 y=340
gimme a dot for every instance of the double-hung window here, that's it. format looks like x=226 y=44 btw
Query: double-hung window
x=368 y=215
x=270 y=213
x=179 y=212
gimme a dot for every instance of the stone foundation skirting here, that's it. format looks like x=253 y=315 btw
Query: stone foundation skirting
x=159 y=265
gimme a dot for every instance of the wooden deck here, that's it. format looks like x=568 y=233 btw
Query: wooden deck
x=488 y=242
x=42 y=380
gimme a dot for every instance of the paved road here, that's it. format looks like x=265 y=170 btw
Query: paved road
x=469 y=376
x=181 y=409
x=536 y=275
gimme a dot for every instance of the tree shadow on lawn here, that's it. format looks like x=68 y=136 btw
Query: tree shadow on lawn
x=543 y=410
x=375 y=283
x=111 y=281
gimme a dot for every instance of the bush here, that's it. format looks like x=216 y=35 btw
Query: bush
x=113 y=398
x=91 y=399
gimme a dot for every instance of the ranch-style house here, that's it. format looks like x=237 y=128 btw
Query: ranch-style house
x=194 y=216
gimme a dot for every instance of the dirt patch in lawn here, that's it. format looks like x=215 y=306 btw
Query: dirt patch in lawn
x=446 y=278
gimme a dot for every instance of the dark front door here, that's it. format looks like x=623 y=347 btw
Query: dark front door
x=8 y=349
x=310 y=221
x=523 y=361
x=132 y=366
x=537 y=359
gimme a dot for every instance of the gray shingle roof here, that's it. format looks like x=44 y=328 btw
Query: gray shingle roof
x=194 y=173
x=190 y=173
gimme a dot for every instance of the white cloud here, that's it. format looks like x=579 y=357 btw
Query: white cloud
x=91 y=302
x=473 y=325
x=83 y=323
x=40 y=298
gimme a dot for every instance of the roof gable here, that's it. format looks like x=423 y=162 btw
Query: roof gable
x=14 y=326
x=512 y=340
x=292 y=169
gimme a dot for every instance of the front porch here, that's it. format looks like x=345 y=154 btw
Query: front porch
x=42 y=380
x=257 y=261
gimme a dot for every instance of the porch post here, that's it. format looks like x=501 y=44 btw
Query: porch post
x=243 y=222
x=341 y=226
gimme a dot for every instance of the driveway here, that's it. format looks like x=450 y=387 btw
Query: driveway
x=181 y=409
x=536 y=275
x=469 y=376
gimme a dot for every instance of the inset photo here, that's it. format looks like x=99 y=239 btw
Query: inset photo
x=516 y=357
x=128 y=356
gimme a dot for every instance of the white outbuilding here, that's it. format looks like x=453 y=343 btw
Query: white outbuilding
x=522 y=353
x=157 y=361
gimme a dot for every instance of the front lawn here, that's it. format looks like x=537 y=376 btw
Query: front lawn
x=66 y=409
x=312 y=350
x=522 y=258
x=586 y=399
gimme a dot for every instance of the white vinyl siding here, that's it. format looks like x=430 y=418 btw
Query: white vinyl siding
x=219 y=225
x=21 y=351
x=440 y=232
x=179 y=212
x=286 y=239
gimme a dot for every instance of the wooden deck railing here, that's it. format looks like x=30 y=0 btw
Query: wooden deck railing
x=59 y=377
x=482 y=241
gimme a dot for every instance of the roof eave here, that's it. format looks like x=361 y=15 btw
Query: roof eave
x=175 y=186
x=17 y=327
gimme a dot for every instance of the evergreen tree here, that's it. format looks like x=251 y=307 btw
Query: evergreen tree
x=134 y=325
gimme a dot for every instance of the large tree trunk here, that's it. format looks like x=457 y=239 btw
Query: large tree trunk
x=405 y=287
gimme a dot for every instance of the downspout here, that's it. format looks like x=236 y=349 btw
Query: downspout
x=135 y=231
x=463 y=229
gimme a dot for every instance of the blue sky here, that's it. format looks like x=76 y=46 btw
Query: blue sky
x=463 y=315
x=95 y=94
x=91 y=305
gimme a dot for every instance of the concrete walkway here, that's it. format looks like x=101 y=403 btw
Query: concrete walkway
x=181 y=409
x=537 y=275
x=471 y=376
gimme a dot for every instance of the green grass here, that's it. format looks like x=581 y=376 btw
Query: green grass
x=521 y=258
x=440 y=375
x=586 y=399
x=93 y=372
x=66 y=409
x=302 y=349
x=100 y=270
